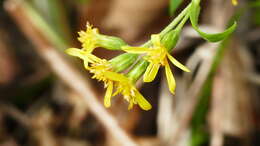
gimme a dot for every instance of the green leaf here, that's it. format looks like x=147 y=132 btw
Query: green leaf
x=174 y=4
x=194 y=14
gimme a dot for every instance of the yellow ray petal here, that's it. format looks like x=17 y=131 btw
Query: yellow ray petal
x=75 y=52
x=142 y=102
x=156 y=40
x=86 y=64
x=115 y=76
x=135 y=50
x=151 y=72
x=93 y=58
x=177 y=63
x=131 y=104
x=170 y=78
x=108 y=95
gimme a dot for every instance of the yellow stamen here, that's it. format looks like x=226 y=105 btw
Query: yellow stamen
x=132 y=95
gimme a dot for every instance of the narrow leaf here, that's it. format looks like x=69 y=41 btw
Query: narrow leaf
x=194 y=13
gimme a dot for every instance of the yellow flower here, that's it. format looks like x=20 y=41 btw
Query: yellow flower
x=85 y=56
x=125 y=87
x=99 y=67
x=157 y=56
x=103 y=71
x=89 y=38
x=234 y=2
x=131 y=94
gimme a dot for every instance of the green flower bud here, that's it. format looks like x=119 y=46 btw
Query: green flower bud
x=110 y=42
x=91 y=39
x=170 y=40
x=138 y=70
x=123 y=61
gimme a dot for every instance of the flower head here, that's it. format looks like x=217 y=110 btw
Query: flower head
x=157 y=56
x=89 y=38
x=126 y=88
x=103 y=71
x=100 y=70
x=131 y=94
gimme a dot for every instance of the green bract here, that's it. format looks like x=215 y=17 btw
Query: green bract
x=170 y=39
x=110 y=42
x=123 y=61
x=138 y=70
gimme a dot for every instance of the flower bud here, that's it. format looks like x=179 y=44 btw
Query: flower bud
x=91 y=39
x=110 y=42
x=170 y=40
x=138 y=70
x=123 y=61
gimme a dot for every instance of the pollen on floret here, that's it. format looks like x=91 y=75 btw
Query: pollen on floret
x=132 y=95
x=88 y=38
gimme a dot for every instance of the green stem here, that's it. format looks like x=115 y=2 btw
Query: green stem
x=175 y=21
x=172 y=24
x=181 y=24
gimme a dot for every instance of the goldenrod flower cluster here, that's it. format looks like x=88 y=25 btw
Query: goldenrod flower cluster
x=143 y=61
x=109 y=72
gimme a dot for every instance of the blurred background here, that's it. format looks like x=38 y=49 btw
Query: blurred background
x=48 y=99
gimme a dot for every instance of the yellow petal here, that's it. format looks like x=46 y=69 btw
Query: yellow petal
x=87 y=57
x=93 y=58
x=177 y=63
x=142 y=102
x=170 y=78
x=108 y=95
x=151 y=72
x=131 y=104
x=79 y=53
x=86 y=64
x=75 y=52
x=156 y=40
x=115 y=76
x=135 y=50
